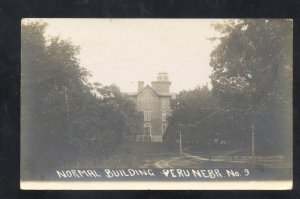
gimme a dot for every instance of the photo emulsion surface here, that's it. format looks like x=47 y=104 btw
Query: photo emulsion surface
x=156 y=104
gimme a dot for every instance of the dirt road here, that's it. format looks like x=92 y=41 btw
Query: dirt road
x=187 y=160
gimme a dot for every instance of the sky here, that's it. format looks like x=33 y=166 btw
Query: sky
x=124 y=51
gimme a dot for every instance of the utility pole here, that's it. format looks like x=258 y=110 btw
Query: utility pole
x=253 y=144
x=180 y=143
x=209 y=139
x=67 y=110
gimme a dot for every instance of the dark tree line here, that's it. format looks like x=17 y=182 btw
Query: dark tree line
x=189 y=115
x=63 y=117
x=252 y=82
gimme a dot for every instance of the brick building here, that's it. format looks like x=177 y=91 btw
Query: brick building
x=154 y=102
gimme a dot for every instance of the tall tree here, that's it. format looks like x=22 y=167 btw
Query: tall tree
x=63 y=117
x=190 y=111
x=252 y=75
x=50 y=81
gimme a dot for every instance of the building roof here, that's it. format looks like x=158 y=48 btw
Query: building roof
x=163 y=94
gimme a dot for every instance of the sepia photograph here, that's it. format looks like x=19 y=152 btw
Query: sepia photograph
x=156 y=104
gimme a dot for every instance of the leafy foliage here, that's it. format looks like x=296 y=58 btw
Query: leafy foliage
x=252 y=73
x=189 y=108
x=251 y=86
x=63 y=116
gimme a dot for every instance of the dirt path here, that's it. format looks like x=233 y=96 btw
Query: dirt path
x=166 y=163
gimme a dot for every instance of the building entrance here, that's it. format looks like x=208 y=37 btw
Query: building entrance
x=147 y=133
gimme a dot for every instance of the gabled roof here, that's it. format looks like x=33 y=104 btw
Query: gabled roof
x=147 y=87
x=165 y=94
x=137 y=93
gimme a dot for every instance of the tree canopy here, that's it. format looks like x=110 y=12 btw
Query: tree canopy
x=251 y=87
x=63 y=116
x=188 y=109
x=253 y=60
x=252 y=74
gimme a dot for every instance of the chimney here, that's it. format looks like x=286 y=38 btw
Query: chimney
x=140 y=85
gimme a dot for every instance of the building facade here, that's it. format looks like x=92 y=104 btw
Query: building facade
x=154 y=102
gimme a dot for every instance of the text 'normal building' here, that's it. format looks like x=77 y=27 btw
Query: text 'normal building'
x=154 y=102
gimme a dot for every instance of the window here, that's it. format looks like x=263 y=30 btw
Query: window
x=147 y=116
x=147 y=103
x=164 y=128
x=164 y=116
x=147 y=129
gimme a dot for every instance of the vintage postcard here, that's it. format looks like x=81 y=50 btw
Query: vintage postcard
x=159 y=104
